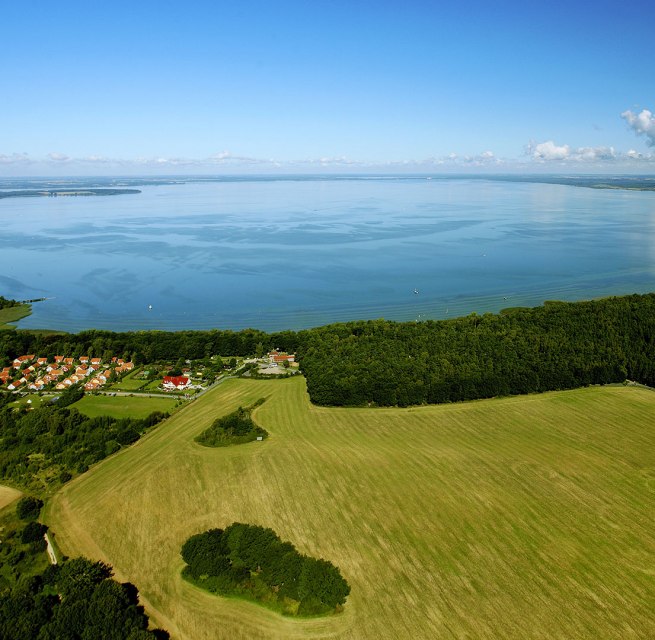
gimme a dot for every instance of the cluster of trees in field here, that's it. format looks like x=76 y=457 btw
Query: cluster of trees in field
x=74 y=600
x=251 y=561
x=557 y=346
x=237 y=427
x=45 y=446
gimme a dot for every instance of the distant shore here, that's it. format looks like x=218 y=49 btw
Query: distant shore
x=50 y=193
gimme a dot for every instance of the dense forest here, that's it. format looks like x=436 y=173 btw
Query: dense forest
x=237 y=427
x=44 y=447
x=74 y=600
x=252 y=562
x=556 y=346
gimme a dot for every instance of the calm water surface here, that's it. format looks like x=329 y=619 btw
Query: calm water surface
x=291 y=254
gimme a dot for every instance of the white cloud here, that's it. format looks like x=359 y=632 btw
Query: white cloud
x=15 y=158
x=547 y=151
x=550 y=152
x=59 y=157
x=642 y=123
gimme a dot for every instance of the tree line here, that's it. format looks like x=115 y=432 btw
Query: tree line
x=556 y=346
x=253 y=562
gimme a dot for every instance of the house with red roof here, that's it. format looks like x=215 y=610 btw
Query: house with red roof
x=172 y=383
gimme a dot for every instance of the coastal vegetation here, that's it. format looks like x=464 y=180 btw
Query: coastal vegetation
x=40 y=193
x=6 y=303
x=252 y=562
x=11 y=311
x=498 y=518
x=237 y=427
x=522 y=350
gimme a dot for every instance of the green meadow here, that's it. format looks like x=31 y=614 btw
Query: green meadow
x=525 y=517
x=122 y=406
x=10 y=315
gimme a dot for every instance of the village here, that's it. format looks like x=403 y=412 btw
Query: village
x=32 y=373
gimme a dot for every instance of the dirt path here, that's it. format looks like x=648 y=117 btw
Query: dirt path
x=50 y=549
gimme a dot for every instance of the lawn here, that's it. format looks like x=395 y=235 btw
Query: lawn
x=129 y=382
x=36 y=399
x=519 y=518
x=122 y=406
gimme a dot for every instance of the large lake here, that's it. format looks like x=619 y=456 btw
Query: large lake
x=288 y=254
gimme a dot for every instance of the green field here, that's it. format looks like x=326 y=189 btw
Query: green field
x=36 y=399
x=528 y=517
x=10 y=315
x=122 y=406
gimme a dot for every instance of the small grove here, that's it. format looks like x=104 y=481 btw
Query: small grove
x=252 y=562
x=237 y=427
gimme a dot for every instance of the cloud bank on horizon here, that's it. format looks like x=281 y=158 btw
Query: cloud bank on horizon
x=536 y=155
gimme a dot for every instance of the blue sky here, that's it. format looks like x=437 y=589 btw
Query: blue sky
x=228 y=87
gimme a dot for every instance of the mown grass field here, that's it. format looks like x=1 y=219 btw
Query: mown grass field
x=527 y=517
x=8 y=495
x=122 y=406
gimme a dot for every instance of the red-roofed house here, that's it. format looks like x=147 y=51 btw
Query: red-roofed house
x=283 y=357
x=21 y=360
x=175 y=382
